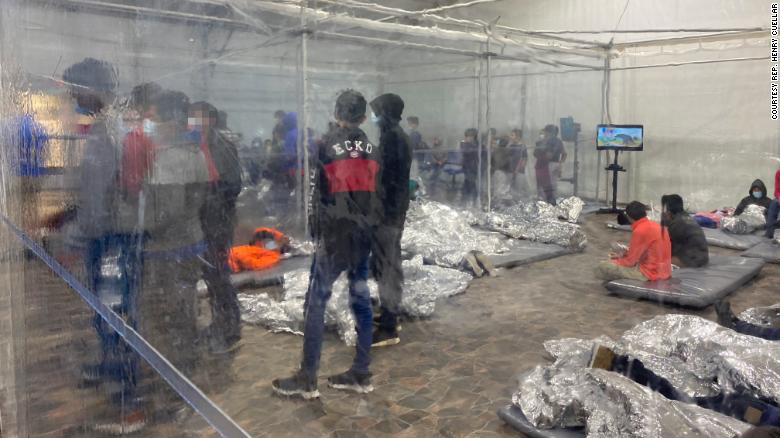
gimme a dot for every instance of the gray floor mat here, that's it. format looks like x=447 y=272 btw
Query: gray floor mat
x=525 y=252
x=513 y=416
x=694 y=287
x=765 y=250
x=269 y=277
x=715 y=237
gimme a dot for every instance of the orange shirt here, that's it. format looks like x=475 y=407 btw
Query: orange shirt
x=650 y=248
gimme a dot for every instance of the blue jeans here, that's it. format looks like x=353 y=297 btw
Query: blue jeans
x=118 y=361
x=325 y=270
x=771 y=218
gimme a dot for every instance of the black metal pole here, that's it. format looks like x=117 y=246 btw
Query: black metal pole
x=614 y=181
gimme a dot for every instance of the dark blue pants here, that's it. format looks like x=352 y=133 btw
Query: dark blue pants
x=746 y=328
x=771 y=218
x=733 y=404
x=119 y=289
x=325 y=270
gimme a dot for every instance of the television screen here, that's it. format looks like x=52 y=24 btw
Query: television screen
x=619 y=137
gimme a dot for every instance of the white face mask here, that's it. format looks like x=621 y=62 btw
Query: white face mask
x=375 y=118
x=150 y=127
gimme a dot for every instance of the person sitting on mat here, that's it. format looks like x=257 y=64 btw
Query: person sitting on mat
x=649 y=254
x=728 y=319
x=689 y=246
x=772 y=211
x=757 y=195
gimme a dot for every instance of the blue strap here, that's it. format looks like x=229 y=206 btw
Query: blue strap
x=220 y=421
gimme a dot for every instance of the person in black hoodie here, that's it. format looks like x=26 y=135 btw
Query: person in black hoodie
x=396 y=152
x=689 y=246
x=756 y=196
x=470 y=153
x=346 y=209
x=218 y=221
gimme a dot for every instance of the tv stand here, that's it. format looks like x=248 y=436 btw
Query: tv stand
x=615 y=168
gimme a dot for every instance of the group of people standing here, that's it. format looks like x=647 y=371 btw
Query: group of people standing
x=509 y=159
x=157 y=189
x=359 y=203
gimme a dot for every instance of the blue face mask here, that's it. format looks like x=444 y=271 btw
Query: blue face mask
x=375 y=118
x=758 y=195
x=150 y=127
x=194 y=135
x=83 y=111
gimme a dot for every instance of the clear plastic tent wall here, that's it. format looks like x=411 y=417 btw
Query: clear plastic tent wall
x=706 y=140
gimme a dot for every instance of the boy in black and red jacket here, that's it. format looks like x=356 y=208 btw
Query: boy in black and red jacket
x=345 y=209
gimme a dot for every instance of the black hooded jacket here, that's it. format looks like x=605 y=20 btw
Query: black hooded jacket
x=345 y=196
x=396 y=150
x=750 y=200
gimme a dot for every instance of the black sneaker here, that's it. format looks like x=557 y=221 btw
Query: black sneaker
x=725 y=316
x=601 y=358
x=351 y=381
x=297 y=385
x=385 y=338
x=128 y=423
x=398 y=327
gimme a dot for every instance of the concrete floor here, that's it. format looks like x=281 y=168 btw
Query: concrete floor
x=448 y=376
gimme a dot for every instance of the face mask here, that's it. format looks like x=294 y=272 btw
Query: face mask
x=122 y=127
x=758 y=195
x=150 y=127
x=375 y=118
x=193 y=135
x=83 y=111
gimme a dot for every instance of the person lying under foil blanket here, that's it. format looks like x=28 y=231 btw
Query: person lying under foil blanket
x=681 y=358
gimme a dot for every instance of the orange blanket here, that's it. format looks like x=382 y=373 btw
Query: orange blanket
x=255 y=256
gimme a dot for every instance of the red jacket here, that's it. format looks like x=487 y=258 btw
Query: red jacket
x=137 y=157
x=777 y=185
x=651 y=248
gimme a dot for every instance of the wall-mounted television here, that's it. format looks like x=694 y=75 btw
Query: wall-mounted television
x=620 y=137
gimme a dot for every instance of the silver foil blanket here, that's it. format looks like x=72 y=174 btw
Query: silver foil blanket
x=444 y=235
x=698 y=357
x=539 y=221
x=610 y=405
x=750 y=220
x=423 y=286
x=691 y=345
x=762 y=316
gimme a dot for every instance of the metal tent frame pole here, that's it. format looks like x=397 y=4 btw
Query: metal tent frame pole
x=479 y=134
x=489 y=176
x=305 y=119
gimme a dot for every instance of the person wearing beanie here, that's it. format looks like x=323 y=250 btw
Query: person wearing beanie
x=396 y=150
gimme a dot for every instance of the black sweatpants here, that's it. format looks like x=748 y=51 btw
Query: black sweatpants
x=218 y=219
x=387 y=270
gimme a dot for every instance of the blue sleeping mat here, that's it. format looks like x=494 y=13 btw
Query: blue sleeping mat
x=694 y=287
x=715 y=237
x=513 y=416
x=525 y=252
x=768 y=250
